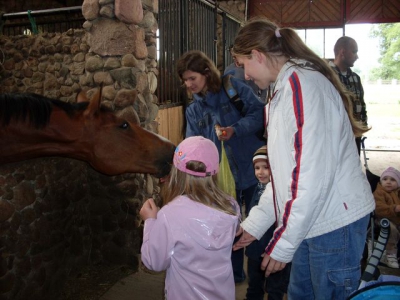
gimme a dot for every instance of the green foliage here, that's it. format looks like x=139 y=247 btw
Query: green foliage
x=389 y=42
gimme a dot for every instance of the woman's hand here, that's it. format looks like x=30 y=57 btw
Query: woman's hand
x=226 y=133
x=149 y=210
x=271 y=265
x=244 y=240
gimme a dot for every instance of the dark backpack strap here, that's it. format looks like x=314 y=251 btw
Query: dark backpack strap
x=232 y=94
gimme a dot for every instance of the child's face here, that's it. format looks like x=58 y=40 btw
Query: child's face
x=389 y=184
x=262 y=171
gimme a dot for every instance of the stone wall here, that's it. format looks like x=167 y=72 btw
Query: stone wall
x=236 y=8
x=57 y=214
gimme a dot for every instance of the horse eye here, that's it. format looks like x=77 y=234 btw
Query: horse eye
x=124 y=125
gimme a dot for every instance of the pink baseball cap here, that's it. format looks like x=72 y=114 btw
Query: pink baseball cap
x=197 y=148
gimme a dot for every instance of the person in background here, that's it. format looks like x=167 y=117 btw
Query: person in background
x=235 y=70
x=346 y=50
x=191 y=236
x=275 y=284
x=242 y=130
x=387 y=199
x=319 y=196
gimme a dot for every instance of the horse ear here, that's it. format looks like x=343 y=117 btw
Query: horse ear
x=81 y=97
x=95 y=101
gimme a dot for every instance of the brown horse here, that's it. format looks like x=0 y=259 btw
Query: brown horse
x=34 y=126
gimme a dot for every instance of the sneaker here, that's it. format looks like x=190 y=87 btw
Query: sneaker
x=391 y=261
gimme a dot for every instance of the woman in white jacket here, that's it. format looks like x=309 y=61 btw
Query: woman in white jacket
x=318 y=195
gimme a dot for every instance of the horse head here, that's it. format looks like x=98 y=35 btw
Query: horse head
x=112 y=143
x=118 y=144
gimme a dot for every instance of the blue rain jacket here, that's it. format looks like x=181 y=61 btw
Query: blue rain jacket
x=216 y=108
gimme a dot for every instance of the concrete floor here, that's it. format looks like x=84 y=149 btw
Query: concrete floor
x=138 y=286
x=145 y=285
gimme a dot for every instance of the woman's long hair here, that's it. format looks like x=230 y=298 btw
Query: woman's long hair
x=199 y=62
x=266 y=37
x=199 y=189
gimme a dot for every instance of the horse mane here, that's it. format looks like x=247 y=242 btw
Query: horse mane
x=33 y=108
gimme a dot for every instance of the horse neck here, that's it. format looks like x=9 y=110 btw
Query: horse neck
x=61 y=137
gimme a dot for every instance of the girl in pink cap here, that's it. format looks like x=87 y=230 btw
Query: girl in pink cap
x=191 y=236
x=387 y=198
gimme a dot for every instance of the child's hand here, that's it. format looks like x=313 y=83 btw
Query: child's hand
x=239 y=231
x=244 y=241
x=270 y=265
x=149 y=210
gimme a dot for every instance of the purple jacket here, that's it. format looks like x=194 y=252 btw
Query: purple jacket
x=193 y=242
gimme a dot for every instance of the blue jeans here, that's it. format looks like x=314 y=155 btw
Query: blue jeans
x=237 y=256
x=328 y=266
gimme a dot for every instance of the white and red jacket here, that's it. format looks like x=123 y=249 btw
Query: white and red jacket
x=318 y=185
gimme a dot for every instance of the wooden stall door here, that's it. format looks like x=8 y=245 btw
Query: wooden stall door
x=170 y=122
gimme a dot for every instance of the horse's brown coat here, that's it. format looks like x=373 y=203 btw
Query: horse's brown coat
x=109 y=143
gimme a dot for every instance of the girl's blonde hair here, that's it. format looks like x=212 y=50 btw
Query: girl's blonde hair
x=266 y=37
x=200 y=189
x=197 y=61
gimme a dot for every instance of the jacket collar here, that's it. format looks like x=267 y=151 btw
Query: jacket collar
x=335 y=67
x=284 y=73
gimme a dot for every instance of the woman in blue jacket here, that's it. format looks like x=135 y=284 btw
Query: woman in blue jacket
x=241 y=127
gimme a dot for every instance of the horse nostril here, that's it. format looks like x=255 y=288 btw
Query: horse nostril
x=164 y=170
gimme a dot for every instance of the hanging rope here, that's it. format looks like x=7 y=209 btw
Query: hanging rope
x=33 y=23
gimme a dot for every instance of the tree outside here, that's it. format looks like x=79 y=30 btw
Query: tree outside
x=389 y=42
